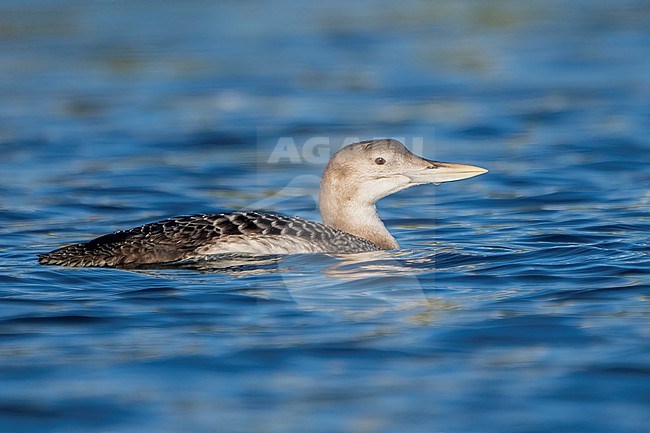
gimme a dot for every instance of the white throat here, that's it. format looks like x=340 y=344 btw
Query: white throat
x=350 y=207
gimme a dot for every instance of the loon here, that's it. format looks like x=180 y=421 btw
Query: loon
x=356 y=177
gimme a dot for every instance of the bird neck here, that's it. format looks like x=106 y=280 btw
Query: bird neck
x=344 y=207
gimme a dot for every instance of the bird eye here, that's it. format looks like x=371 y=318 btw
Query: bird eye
x=380 y=161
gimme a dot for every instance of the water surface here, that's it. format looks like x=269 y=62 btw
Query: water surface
x=519 y=301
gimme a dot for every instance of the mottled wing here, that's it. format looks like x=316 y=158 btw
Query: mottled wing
x=158 y=242
x=181 y=237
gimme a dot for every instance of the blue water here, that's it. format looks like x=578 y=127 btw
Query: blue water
x=520 y=301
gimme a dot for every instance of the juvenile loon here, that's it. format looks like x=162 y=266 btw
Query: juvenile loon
x=356 y=177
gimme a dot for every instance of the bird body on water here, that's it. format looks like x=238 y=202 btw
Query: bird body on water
x=356 y=177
